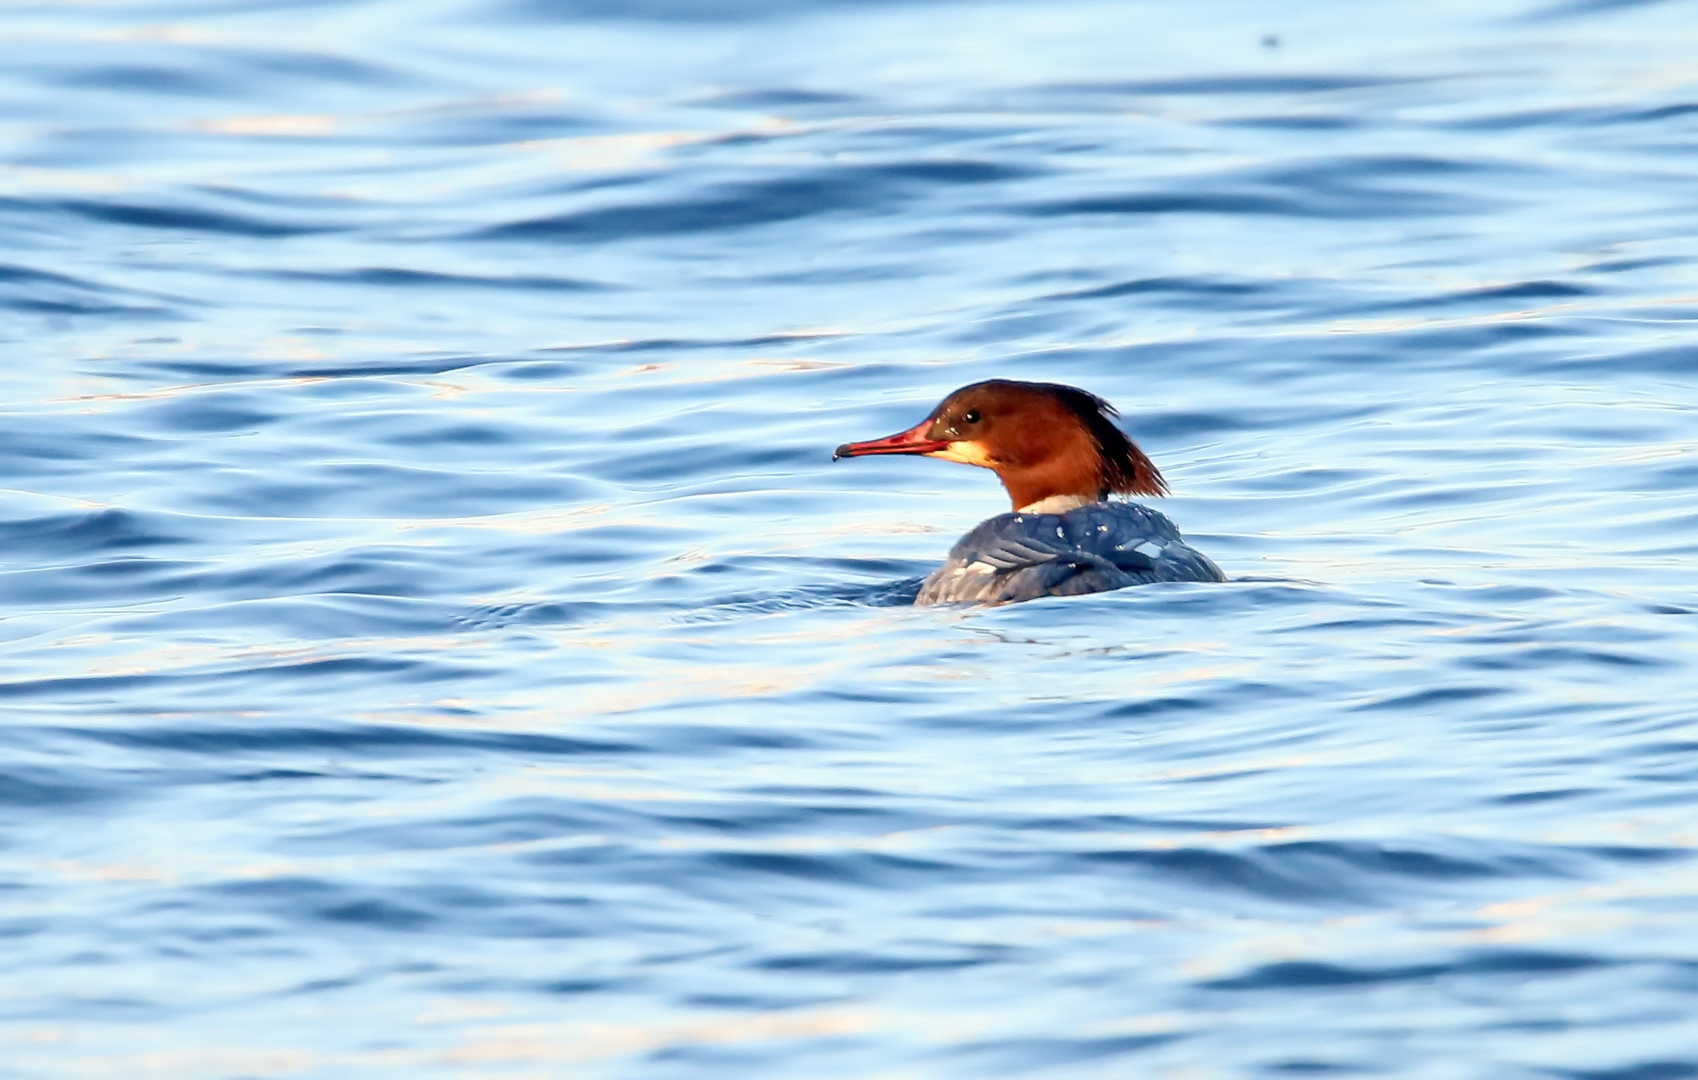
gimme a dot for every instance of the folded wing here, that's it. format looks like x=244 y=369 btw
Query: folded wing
x=1094 y=548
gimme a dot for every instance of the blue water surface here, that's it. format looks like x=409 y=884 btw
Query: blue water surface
x=437 y=643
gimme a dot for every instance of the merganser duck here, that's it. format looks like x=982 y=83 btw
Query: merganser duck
x=1060 y=455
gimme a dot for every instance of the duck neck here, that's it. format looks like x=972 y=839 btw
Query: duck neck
x=1062 y=475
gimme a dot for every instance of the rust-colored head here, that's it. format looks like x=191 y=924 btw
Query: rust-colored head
x=1041 y=439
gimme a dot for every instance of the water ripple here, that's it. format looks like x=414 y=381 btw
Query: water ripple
x=429 y=607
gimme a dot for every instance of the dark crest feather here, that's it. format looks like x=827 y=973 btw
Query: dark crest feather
x=1126 y=469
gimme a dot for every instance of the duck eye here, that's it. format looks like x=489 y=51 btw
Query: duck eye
x=971 y=416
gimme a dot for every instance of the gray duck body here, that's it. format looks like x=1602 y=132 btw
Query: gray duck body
x=1064 y=547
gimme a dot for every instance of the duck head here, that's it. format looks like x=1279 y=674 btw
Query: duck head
x=1041 y=440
